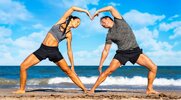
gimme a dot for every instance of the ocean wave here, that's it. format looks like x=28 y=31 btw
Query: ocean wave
x=7 y=81
x=136 y=80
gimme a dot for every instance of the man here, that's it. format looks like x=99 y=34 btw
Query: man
x=128 y=50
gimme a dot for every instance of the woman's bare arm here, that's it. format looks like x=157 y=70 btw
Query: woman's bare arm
x=69 y=50
x=70 y=11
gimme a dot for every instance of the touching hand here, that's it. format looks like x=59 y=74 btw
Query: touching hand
x=72 y=68
x=96 y=14
x=100 y=69
x=88 y=14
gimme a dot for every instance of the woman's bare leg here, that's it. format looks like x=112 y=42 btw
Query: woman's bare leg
x=113 y=66
x=63 y=65
x=27 y=63
x=143 y=60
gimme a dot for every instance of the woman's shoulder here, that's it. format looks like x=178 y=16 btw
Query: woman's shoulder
x=59 y=24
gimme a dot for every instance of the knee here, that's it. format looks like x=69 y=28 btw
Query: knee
x=153 y=69
x=23 y=67
x=107 y=73
x=110 y=72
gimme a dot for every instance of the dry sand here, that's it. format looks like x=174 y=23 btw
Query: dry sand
x=52 y=94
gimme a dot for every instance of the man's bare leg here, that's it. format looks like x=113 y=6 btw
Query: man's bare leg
x=143 y=60
x=113 y=66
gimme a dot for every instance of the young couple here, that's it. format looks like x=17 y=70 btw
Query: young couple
x=119 y=32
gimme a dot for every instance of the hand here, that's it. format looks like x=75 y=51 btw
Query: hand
x=96 y=14
x=88 y=14
x=72 y=68
x=100 y=69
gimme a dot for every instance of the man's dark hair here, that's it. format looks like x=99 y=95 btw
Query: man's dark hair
x=106 y=17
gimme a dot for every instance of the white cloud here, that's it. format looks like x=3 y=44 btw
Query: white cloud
x=138 y=19
x=13 y=52
x=69 y=3
x=169 y=26
x=164 y=57
x=39 y=26
x=92 y=57
x=161 y=52
x=175 y=26
x=29 y=41
x=177 y=33
x=114 y=4
x=26 y=45
x=6 y=57
x=12 y=11
x=5 y=32
x=173 y=17
x=148 y=40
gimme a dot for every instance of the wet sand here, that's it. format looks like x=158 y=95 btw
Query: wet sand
x=57 y=94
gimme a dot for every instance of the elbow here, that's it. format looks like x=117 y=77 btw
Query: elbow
x=106 y=51
x=110 y=7
x=73 y=7
x=69 y=51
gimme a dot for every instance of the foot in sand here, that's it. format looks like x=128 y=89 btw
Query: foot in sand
x=19 y=91
x=86 y=92
x=151 y=92
x=90 y=92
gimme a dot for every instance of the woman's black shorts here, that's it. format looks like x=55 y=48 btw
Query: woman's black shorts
x=52 y=53
x=128 y=55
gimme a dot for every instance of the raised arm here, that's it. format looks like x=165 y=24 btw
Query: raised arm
x=105 y=52
x=70 y=11
x=113 y=11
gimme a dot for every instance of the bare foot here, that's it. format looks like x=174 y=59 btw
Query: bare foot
x=19 y=92
x=151 y=92
x=90 y=92
x=85 y=91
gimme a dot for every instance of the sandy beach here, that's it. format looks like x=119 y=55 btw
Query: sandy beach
x=52 y=94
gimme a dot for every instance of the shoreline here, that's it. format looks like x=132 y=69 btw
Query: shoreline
x=55 y=94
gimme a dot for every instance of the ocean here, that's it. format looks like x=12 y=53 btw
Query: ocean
x=124 y=78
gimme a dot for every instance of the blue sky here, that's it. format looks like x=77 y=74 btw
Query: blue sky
x=24 y=24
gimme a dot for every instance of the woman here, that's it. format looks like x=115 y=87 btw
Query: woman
x=49 y=49
x=128 y=50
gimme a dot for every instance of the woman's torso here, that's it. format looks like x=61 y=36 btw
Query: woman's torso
x=54 y=36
